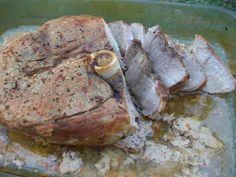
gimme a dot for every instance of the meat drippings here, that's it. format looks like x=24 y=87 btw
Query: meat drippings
x=186 y=149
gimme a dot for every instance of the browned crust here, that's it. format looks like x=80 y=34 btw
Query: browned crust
x=195 y=89
x=95 y=127
x=80 y=18
x=163 y=93
x=179 y=85
x=102 y=125
x=70 y=48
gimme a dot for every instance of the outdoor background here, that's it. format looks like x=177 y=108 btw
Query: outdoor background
x=229 y=4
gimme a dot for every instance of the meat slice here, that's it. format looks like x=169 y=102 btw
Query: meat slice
x=219 y=77
x=122 y=33
x=165 y=61
x=194 y=68
x=138 y=31
x=51 y=86
x=149 y=92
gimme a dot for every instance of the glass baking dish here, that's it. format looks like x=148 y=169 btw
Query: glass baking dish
x=181 y=21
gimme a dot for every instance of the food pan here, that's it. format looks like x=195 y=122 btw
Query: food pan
x=180 y=21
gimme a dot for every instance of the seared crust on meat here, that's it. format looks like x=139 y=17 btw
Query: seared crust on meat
x=49 y=87
x=105 y=124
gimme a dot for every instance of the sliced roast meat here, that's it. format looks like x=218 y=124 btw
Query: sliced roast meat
x=194 y=68
x=138 y=31
x=165 y=61
x=219 y=77
x=122 y=33
x=50 y=86
x=149 y=92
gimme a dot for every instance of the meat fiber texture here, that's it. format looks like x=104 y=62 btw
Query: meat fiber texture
x=122 y=33
x=138 y=32
x=49 y=87
x=197 y=75
x=165 y=61
x=219 y=77
x=148 y=90
x=195 y=70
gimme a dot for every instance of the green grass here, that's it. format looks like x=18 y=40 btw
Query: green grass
x=229 y=4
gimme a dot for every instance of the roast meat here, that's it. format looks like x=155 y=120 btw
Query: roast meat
x=53 y=85
x=149 y=92
x=165 y=61
x=219 y=77
x=197 y=75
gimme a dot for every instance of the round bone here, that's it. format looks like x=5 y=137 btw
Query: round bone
x=107 y=63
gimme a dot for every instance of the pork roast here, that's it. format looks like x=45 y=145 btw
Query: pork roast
x=53 y=87
x=64 y=82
